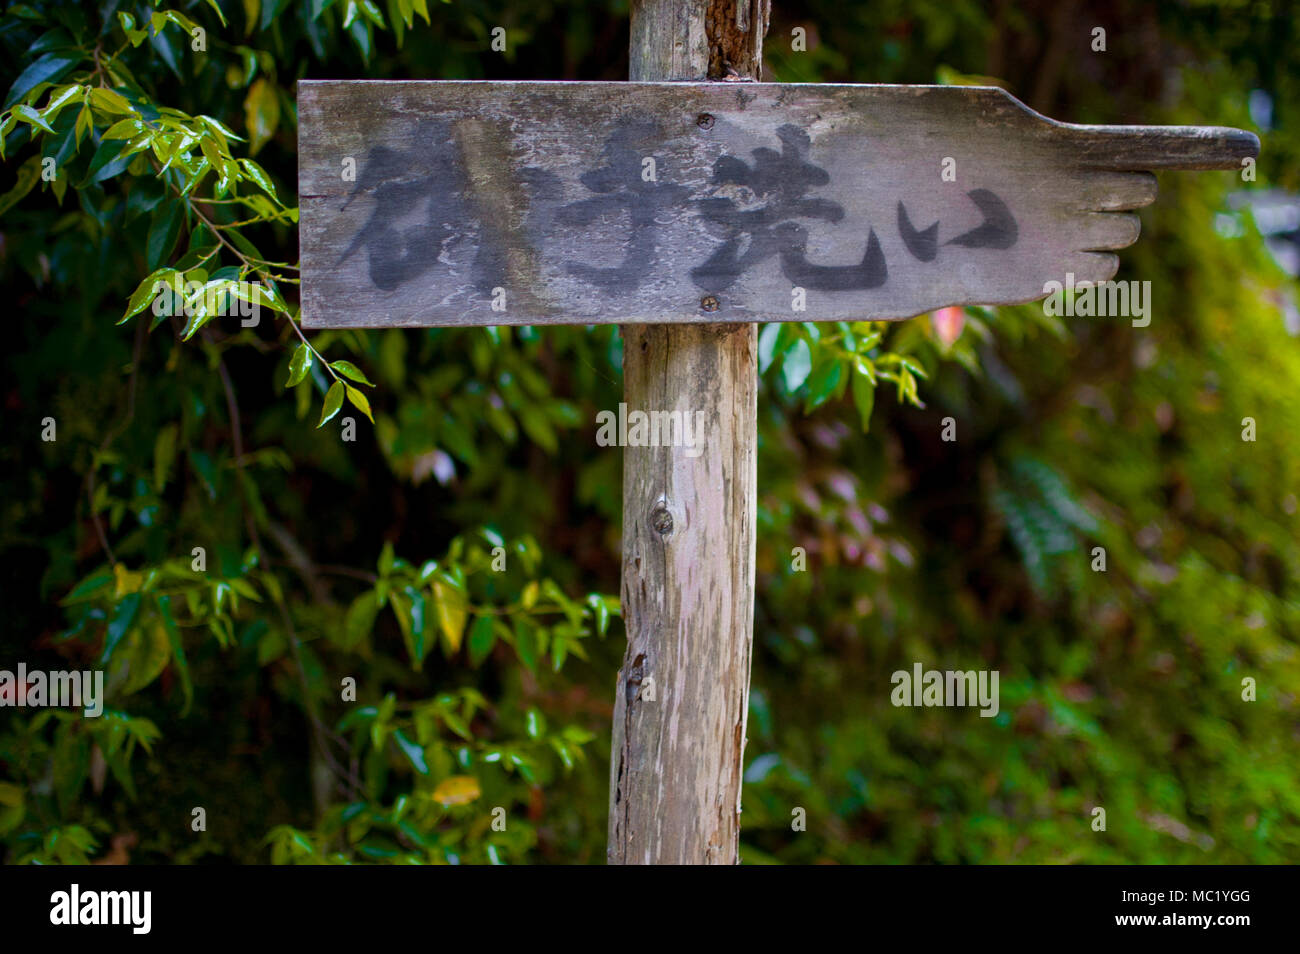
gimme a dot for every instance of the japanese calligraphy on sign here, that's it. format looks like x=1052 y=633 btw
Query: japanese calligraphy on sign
x=464 y=203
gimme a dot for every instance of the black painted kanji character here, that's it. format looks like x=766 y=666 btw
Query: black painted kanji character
x=779 y=182
x=428 y=175
x=998 y=230
x=869 y=273
x=924 y=244
x=621 y=187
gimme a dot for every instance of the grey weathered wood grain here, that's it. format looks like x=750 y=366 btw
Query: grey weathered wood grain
x=537 y=189
x=688 y=600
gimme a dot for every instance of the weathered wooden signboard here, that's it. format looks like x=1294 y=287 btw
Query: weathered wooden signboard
x=701 y=204
x=477 y=203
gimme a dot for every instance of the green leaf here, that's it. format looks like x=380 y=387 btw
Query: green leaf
x=88 y=587
x=164 y=454
x=482 y=637
x=6 y=126
x=600 y=611
x=359 y=402
x=204 y=303
x=351 y=371
x=526 y=644
x=85 y=123
x=123 y=617
x=211 y=152
x=259 y=294
x=867 y=368
x=299 y=365
x=457 y=439
x=28 y=174
x=912 y=366
x=767 y=339
x=797 y=365
x=538 y=428
x=409 y=608
x=398 y=16
x=864 y=396
x=823 y=380
x=110 y=159
x=217 y=8
x=457 y=790
x=110 y=101
x=68 y=769
x=61 y=98
x=413 y=752
x=457 y=725
x=163 y=232
x=333 y=402
x=49 y=68
x=261 y=114
x=143 y=656
x=371 y=12
x=220 y=129
x=31 y=116
x=124 y=129
x=360 y=619
x=452 y=613
x=259 y=176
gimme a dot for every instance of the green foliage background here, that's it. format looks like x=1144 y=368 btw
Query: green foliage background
x=371 y=560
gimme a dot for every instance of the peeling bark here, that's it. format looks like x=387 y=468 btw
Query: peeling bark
x=736 y=29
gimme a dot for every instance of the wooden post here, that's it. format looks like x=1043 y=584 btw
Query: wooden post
x=688 y=530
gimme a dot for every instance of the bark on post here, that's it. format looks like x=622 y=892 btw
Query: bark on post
x=688 y=524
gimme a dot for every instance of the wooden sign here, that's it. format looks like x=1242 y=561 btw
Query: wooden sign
x=491 y=203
